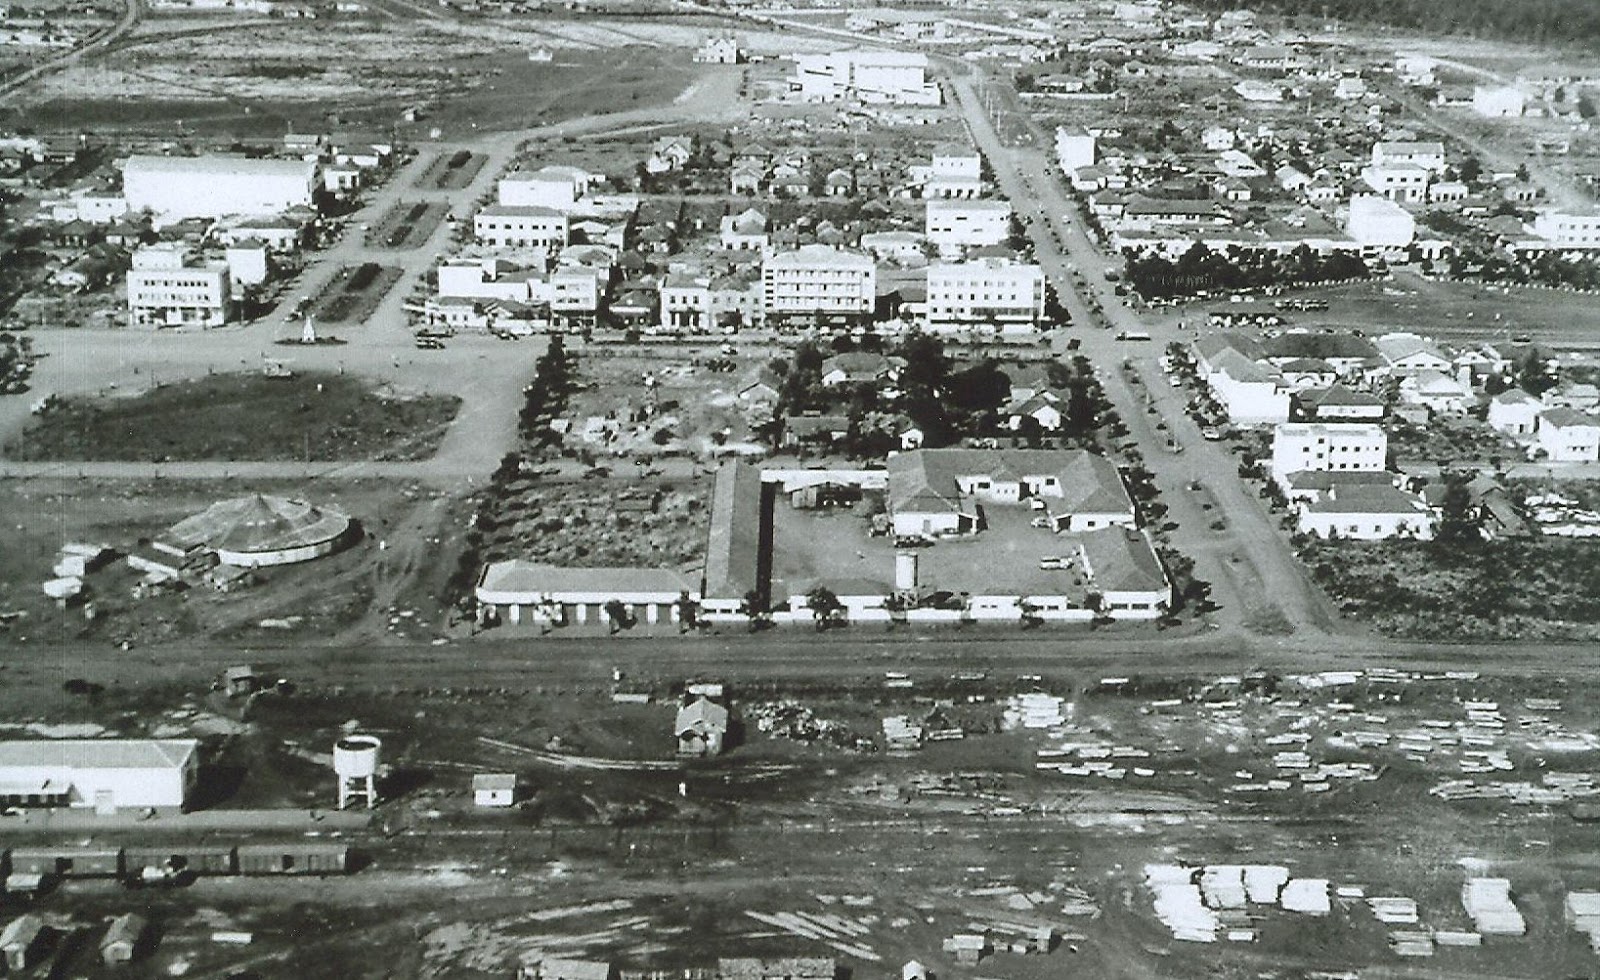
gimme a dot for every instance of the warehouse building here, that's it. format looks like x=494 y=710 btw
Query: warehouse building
x=174 y=188
x=102 y=773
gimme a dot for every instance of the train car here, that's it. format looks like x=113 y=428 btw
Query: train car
x=190 y=859
x=293 y=859
x=67 y=862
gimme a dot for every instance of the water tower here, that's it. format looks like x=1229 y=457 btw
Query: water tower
x=355 y=762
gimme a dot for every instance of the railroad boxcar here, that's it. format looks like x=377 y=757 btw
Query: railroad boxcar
x=197 y=859
x=67 y=862
x=293 y=859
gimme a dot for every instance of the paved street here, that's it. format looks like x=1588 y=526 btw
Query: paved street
x=1254 y=578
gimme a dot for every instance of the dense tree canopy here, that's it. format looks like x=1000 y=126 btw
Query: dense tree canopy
x=1539 y=21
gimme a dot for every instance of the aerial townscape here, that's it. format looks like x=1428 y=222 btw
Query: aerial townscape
x=799 y=490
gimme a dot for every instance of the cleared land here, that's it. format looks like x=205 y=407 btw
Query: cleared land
x=1495 y=590
x=243 y=417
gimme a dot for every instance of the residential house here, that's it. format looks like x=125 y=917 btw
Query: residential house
x=745 y=230
x=1438 y=392
x=721 y=49
x=859 y=367
x=747 y=177
x=23 y=942
x=1301 y=373
x=1406 y=355
x=1576 y=395
x=1045 y=408
x=814 y=431
x=1337 y=403
x=701 y=728
x=1250 y=393
x=1566 y=436
x=494 y=789
x=1515 y=412
x=124 y=939
x=1366 y=513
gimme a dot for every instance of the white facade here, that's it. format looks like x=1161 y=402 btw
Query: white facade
x=483 y=279
x=548 y=187
x=1567 y=436
x=818 y=279
x=1367 y=514
x=963 y=224
x=1425 y=154
x=1498 y=101
x=1572 y=231
x=956 y=163
x=1074 y=150
x=1375 y=222
x=874 y=77
x=1328 y=448
x=986 y=292
x=167 y=289
x=520 y=226
x=1250 y=397
x=120 y=773
x=247 y=263
x=1398 y=182
x=1515 y=412
x=173 y=188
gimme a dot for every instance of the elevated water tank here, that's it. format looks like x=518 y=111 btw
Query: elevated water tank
x=355 y=762
x=356 y=756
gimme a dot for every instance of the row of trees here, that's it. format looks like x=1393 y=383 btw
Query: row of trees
x=1201 y=269
x=1540 y=21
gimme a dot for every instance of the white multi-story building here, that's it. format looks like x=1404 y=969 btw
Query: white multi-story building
x=953 y=225
x=167 y=288
x=174 y=188
x=817 y=279
x=1378 y=223
x=548 y=187
x=1074 y=149
x=956 y=171
x=484 y=279
x=989 y=292
x=1318 y=447
x=875 y=77
x=1568 y=231
x=1428 y=155
x=520 y=226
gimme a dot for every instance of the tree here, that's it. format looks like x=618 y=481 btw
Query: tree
x=1455 y=508
x=617 y=615
x=755 y=610
x=688 y=613
x=825 y=606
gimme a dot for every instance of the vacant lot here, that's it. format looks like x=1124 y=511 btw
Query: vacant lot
x=353 y=293
x=1505 y=590
x=243 y=417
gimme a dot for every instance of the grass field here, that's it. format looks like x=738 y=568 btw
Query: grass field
x=243 y=417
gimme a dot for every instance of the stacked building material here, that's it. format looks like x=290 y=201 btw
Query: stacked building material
x=1583 y=912
x=1488 y=901
x=1394 y=910
x=1179 y=905
x=1308 y=896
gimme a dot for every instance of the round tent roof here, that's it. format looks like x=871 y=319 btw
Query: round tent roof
x=258 y=524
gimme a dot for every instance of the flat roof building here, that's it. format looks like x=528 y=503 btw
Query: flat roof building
x=173 y=188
